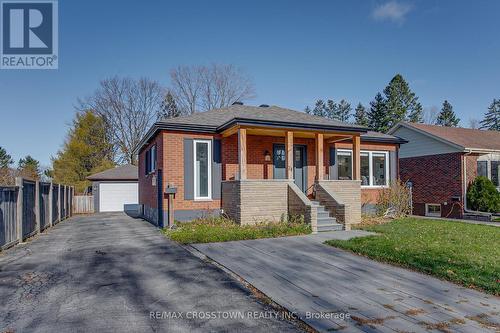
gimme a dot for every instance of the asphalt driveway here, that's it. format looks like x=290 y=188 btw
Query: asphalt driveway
x=112 y=273
x=334 y=290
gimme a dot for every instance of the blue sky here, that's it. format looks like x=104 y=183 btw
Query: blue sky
x=295 y=51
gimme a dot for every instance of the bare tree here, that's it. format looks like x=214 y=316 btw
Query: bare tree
x=202 y=88
x=129 y=108
x=474 y=123
x=431 y=114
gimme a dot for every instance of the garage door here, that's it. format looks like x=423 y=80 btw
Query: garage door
x=112 y=196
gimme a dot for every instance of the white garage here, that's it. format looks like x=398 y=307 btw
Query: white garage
x=113 y=196
x=115 y=188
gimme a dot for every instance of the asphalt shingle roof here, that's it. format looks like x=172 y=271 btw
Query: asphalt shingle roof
x=123 y=172
x=219 y=117
x=464 y=137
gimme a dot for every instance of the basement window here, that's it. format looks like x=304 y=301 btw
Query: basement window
x=433 y=210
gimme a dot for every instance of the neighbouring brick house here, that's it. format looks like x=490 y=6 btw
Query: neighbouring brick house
x=442 y=161
x=262 y=163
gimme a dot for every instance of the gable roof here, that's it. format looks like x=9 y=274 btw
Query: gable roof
x=123 y=172
x=462 y=138
x=218 y=120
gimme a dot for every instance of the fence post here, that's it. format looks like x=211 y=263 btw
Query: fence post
x=59 y=208
x=19 y=184
x=37 y=206
x=50 y=205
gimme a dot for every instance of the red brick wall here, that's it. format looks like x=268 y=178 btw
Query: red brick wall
x=173 y=171
x=471 y=167
x=171 y=161
x=436 y=179
x=257 y=167
x=147 y=192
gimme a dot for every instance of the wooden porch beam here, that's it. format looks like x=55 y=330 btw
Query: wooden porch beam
x=356 y=157
x=319 y=156
x=289 y=154
x=230 y=131
x=242 y=152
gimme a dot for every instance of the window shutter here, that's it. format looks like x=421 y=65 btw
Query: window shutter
x=333 y=171
x=147 y=161
x=216 y=169
x=393 y=166
x=188 y=170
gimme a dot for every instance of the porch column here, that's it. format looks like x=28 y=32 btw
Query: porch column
x=242 y=152
x=319 y=156
x=289 y=154
x=356 y=157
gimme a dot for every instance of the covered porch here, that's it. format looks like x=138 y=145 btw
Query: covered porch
x=270 y=173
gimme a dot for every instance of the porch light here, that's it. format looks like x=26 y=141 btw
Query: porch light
x=267 y=156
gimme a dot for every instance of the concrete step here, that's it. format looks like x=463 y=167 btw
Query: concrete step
x=330 y=227
x=326 y=220
x=323 y=213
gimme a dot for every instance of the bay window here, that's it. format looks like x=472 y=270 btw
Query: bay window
x=202 y=169
x=365 y=169
x=374 y=167
x=379 y=163
x=344 y=159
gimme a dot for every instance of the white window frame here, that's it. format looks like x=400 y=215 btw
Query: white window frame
x=432 y=214
x=370 y=166
x=209 y=148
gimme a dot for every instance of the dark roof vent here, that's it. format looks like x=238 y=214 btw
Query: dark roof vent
x=238 y=103
x=263 y=106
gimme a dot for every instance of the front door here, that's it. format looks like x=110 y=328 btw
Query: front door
x=299 y=164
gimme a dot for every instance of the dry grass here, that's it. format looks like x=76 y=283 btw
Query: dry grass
x=415 y=312
x=371 y=322
x=441 y=326
x=483 y=320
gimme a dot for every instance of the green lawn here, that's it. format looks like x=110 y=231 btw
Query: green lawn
x=463 y=253
x=211 y=230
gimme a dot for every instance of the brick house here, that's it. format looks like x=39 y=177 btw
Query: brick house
x=442 y=161
x=263 y=163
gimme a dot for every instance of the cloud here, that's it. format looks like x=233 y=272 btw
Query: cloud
x=392 y=11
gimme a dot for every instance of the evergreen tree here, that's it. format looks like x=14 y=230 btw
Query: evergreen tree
x=447 y=117
x=319 y=108
x=378 y=116
x=87 y=150
x=343 y=112
x=330 y=109
x=361 y=116
x=29 y=167
x=491 y=119
x=308 y=110
x=168 y=107
x=5 y=159
x=401 y=102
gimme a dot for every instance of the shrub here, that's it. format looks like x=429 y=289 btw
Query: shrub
x=395 y=200
x=483 y=196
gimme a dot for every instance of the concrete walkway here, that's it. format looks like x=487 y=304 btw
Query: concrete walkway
x=325 y=285
x=107 y=273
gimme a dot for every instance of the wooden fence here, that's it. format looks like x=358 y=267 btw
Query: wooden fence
x=31 y=207
x=83 y=204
